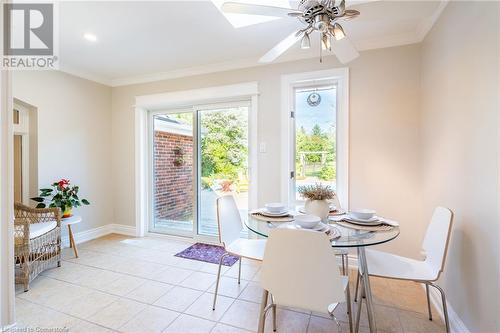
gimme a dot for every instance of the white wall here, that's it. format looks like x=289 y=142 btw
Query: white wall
x=74 y=137
x=460 y=153
x=384 y=154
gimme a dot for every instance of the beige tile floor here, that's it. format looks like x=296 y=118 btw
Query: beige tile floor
x=123 y=284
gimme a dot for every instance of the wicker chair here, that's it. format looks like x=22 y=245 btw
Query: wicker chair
x=37 y=235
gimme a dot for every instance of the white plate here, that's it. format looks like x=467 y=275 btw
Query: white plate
x=369 y=223
x=267 y=213
x=373 y=219
x=320 y=227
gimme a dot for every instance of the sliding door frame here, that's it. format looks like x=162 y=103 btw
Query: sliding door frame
x=184 y=100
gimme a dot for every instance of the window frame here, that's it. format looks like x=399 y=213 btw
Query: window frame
x=289 y=83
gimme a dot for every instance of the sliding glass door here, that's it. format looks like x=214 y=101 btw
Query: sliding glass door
x=197 y=155
x=222 y=160
x=172 y=143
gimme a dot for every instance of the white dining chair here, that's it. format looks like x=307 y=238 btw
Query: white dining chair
x=427 y=271
x=300 y=271
x=230 y=227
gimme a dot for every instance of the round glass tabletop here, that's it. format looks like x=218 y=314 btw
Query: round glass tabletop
x=348 y=237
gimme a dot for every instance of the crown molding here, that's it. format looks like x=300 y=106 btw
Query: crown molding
x=364 y=45
x=205 y=69
x=426 y=25
x=85 y=75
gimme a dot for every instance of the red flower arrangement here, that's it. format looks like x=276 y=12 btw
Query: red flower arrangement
x=61 y=195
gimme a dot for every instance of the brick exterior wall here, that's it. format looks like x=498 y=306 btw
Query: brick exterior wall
x=173 y=182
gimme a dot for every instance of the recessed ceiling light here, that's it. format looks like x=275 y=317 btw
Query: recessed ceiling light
x=90 y=37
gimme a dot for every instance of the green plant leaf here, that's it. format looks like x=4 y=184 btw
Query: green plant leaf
x=38 y=199
x=85 y=202
x=41 y=205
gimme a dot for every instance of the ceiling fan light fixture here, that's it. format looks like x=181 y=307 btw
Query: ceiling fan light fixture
x=338 y=31
x=306 y=42
x=321 y=22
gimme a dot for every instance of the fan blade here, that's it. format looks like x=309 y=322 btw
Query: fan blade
x=251 y=9
x=341 y=7
x=351 y=3
x=348 y=14
x=281 y=47
x=344 y=50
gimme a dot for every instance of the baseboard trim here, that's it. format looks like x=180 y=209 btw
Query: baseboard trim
x=88 y=235
x=123 y=229
x=456 y=324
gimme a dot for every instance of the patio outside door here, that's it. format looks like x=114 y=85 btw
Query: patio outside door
x=197 y=155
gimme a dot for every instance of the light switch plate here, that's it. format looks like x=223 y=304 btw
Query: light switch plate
x=262 y=147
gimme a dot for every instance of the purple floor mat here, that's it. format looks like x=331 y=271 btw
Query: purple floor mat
x=207 y=253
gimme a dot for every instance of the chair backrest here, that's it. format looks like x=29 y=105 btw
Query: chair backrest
x=300 y=270
x=437 y=238
x=228 y=219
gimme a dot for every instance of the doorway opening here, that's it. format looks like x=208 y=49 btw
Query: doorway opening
x=25 y=152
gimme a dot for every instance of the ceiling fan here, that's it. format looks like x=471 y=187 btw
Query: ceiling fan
x=321 y=16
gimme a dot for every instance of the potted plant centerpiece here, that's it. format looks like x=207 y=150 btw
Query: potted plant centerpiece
x=317 y=197
x=61 y=195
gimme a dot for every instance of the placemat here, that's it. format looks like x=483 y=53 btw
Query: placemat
x=382 y=227
x=259 y=216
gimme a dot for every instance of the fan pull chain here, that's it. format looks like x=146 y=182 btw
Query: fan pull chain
x=320 y=51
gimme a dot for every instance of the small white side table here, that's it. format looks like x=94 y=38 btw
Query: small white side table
x=69 y=221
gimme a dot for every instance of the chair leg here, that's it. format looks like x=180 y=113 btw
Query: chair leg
x=445 y=308
x=346 y=264
x=357 y=285
x=360 y=303
x=262 y=314
x=349 y=309
x=218 y=278
x=274 y=317
x=428 y=301
x=343 y=264
x=239 y=271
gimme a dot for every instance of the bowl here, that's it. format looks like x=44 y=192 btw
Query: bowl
x=275 y=207
x=362 y=214
x=307 y=221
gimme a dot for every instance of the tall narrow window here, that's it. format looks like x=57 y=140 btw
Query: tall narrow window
x=315 y=136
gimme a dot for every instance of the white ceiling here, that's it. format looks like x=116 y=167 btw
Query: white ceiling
x=145 y=41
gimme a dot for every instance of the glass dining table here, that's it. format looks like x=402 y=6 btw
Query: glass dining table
x=349 y=238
